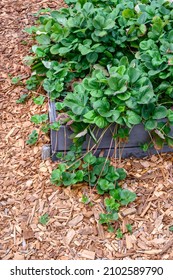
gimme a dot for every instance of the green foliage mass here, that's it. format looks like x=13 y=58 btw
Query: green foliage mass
x=107 y=62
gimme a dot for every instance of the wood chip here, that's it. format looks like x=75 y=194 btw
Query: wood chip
x=150 y=252
x=129 y=242
x=69 y=237
x=43 y=169
x=167 y=246
x=109 y=247
x=18 y=256
x=88 y=214
x=29 y=183
x=158 y=224
x=146 y=209
x=28 y=234
x=86 y=231
x=9 y=133
x=100 y=231
x=129 y=211
x=87 y=254
x=75 y=220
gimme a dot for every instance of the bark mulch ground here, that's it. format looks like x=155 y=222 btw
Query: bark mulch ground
x=73 y=231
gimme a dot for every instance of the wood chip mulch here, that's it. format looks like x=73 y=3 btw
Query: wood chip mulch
x=73 y=231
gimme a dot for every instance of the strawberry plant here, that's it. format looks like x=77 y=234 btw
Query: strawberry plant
x=33 y=137
x=22 y=99
x=44 y=219
x=104 y=64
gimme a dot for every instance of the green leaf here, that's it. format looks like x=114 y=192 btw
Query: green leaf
x=109 y=24
x=68 y=178
x=98 y=22
x=59 y=106
x=39 y=100
x=150 y=124
x=84 y=49
x=127 y=196
x=15 y=80
x=145 y=94
x=170 y=116
x=129 y=228
x=124 y=96
x=101 y=166
x=90 y=116
x=88 y=7
x=89 y=158
x=30 y=30
x=45 y=128
x=103 y=107
x=109 y=92
x=115 y=194
x=92 y=57
x=112 y=174
x=160 y=112
x=99 y=190
x=39 y=118
x=56 y=177
x=33 y=137
x=122 y=173
x=111 y=204
x=110 y=228
x=43 y=39
x=157 y=25
x=171 y=228
x=44 y=219
x=133 y=118
x=55 y=125
x=119 y=233
x=22 y=99
x=54 y=49
x=100 y=122
x=134 y=74
x=170 y=36
x=113 y=83
x=100 y=33
x=145 y=45
x=128 y=13
x=85 y=199
x=114 y=115
x=79 y=176
x=147 y=111
x=105 y=185
x=48 y=85
x=77 y=103
x=63 y=50
x=117 y=84
x=142 y=18
x=143 y=29
x=107 y=218
x=96 y=93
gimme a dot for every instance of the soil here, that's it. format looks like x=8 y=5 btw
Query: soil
x=72 y=231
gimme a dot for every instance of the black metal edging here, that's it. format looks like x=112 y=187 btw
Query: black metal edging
x=60 y=141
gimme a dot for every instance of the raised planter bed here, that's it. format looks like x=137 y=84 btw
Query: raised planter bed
x=60 y=141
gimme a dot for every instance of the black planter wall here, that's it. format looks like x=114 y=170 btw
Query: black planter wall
x=60 y=141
